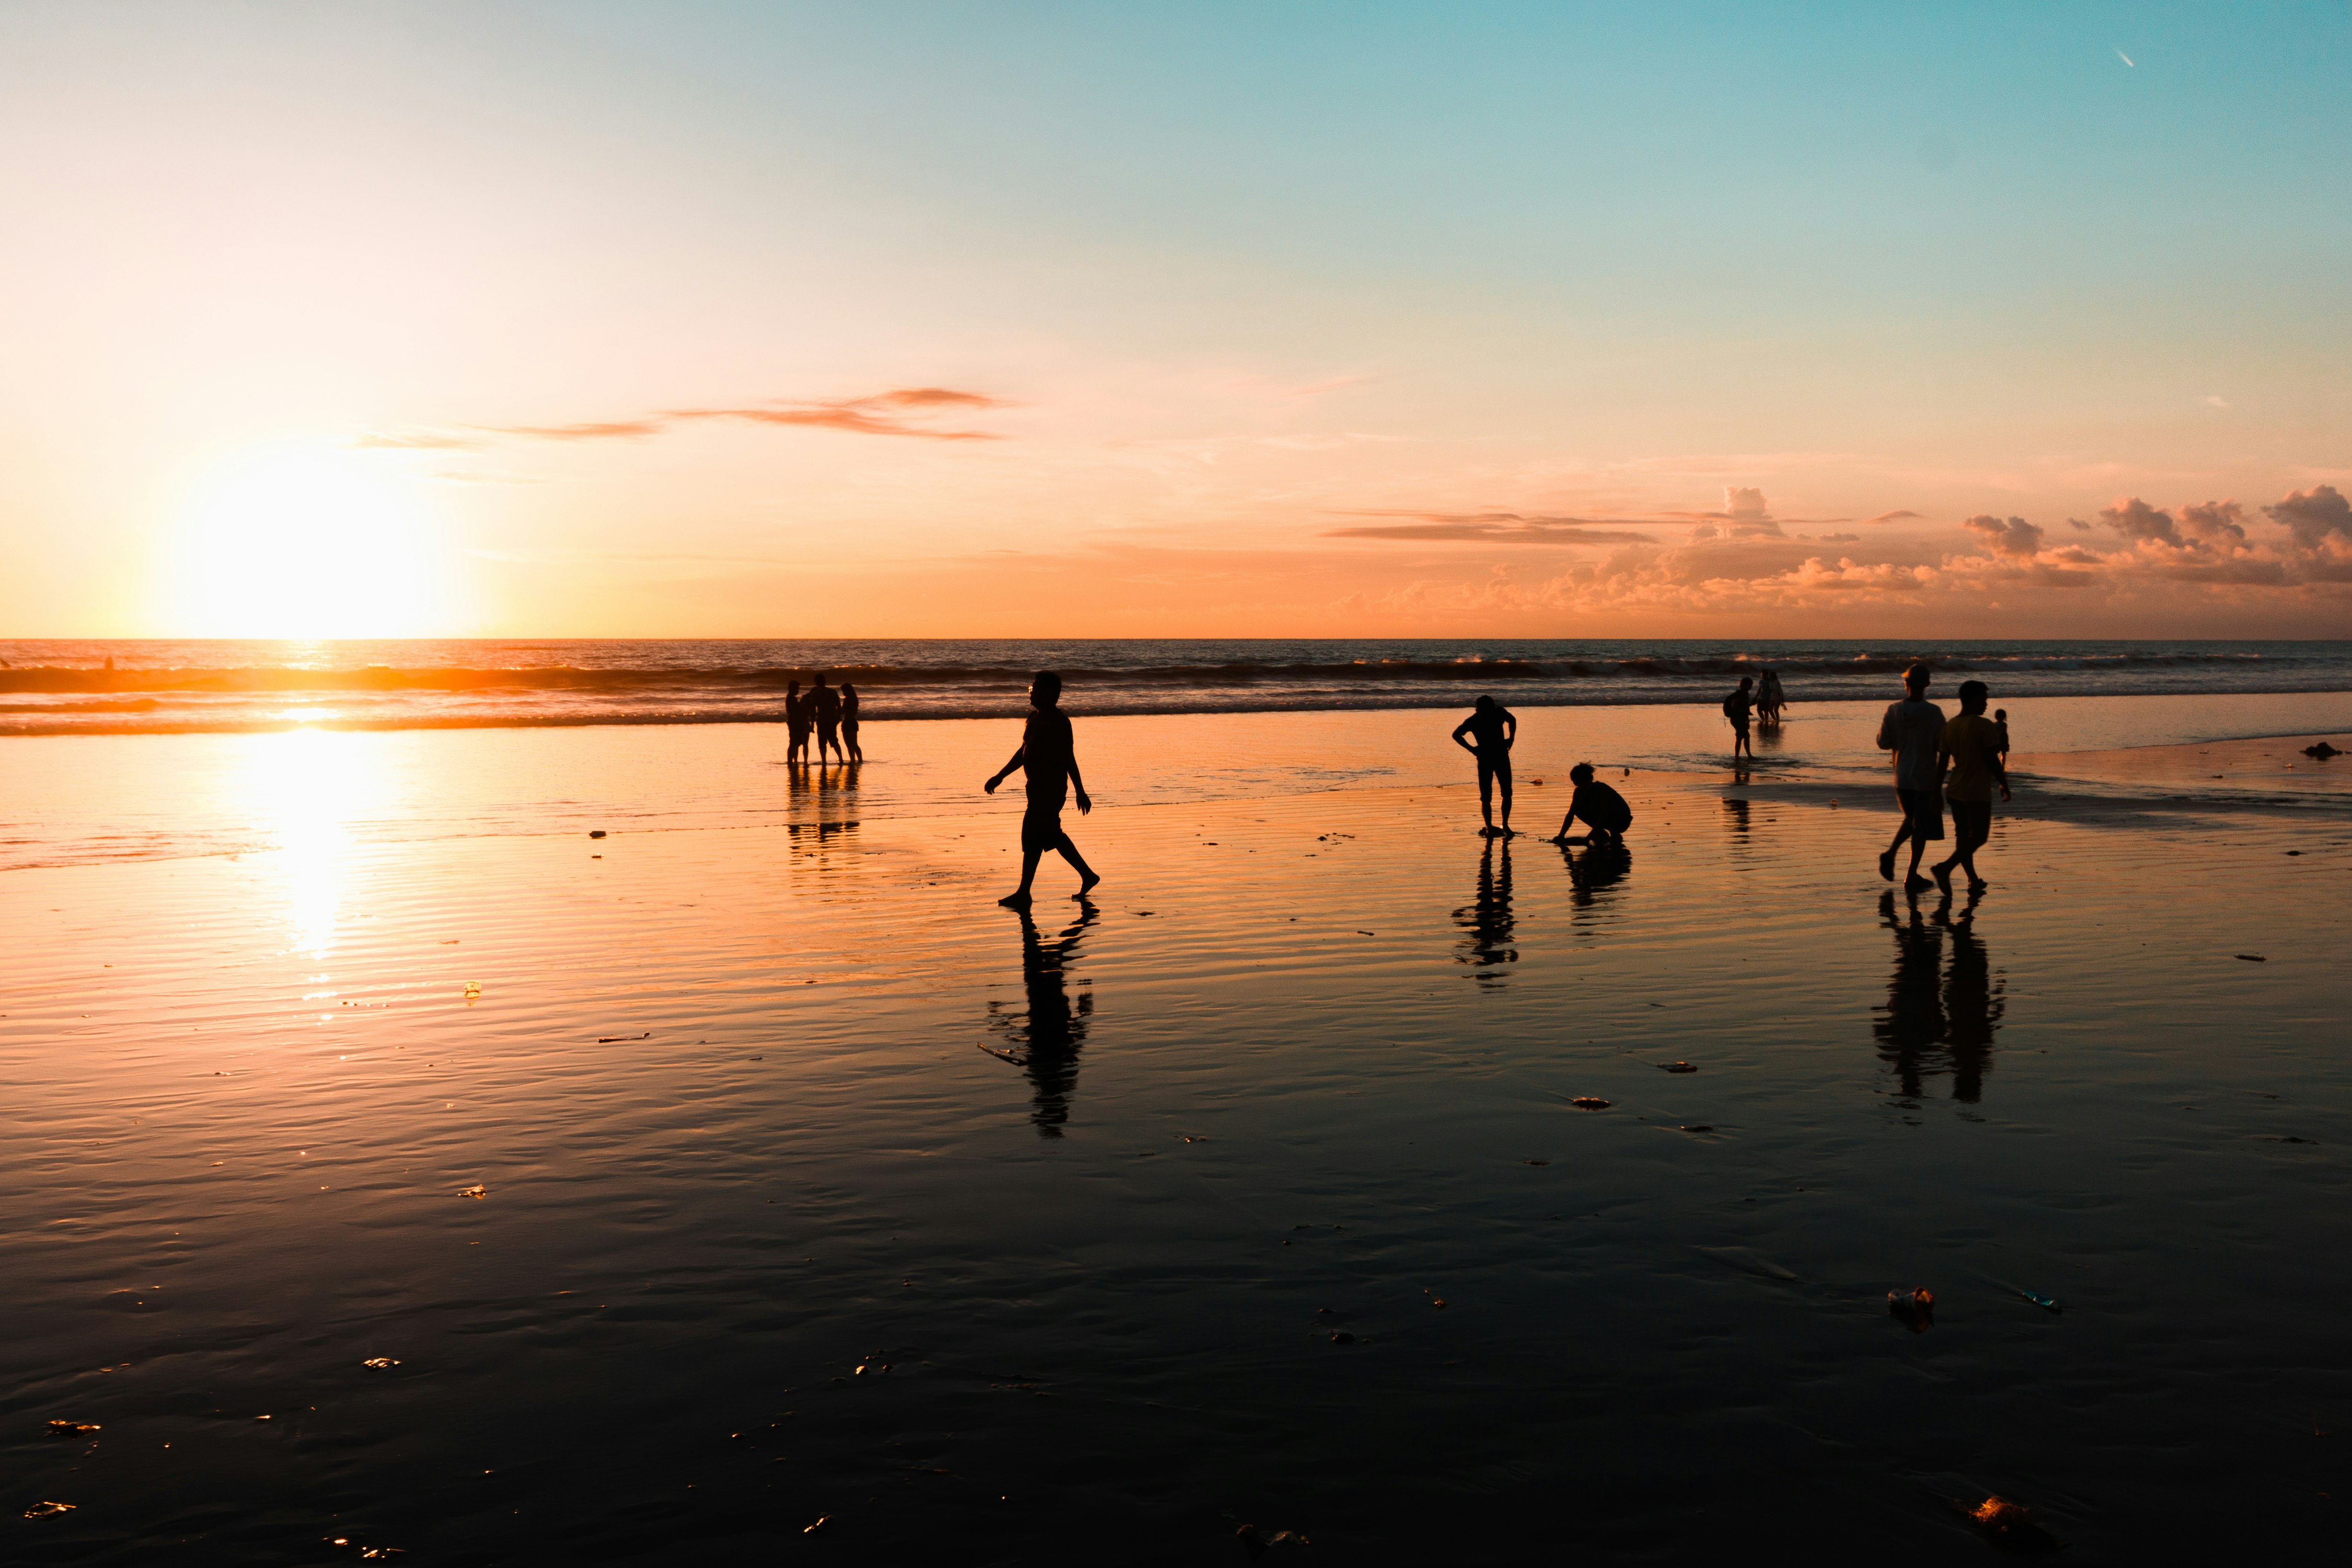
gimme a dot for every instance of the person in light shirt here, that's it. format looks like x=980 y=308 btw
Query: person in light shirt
x=1914 y=730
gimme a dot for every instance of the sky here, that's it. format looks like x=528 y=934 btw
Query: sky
x=1295 y=319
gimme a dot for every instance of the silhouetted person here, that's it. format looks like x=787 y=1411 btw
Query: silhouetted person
x=1046 y=753
x=1913 y=730
x=1045 y=1040
x=2000 y=719
x=1605 y=813
x=1497 y=730
x=1736 y=708
x=1770 y=697
x=825 y=706
x=1968 y=769
x=796 y=723
x=1489 y=918
x=850 y=722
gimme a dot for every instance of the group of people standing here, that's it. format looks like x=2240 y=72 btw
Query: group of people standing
x=831 y=713
x=1961 y=760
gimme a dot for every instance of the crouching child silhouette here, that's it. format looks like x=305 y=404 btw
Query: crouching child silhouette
x=1046 y=754
x=1606 y=816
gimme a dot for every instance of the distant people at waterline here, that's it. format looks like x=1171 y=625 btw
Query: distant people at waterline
x=850 y=722
x=1913 y=730
x=1736 y=708
x=1048 y=755
x=1770 y=699
x=825 y=705
x=796 y=723
x=1603 y=811
x=1969 y=769
x=1497 y=730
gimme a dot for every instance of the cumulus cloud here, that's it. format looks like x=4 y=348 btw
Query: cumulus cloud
x=2317 y=518
x=2136 y=520
x=2014 y=537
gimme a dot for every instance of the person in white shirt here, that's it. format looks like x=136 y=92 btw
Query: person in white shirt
x=1911 y=730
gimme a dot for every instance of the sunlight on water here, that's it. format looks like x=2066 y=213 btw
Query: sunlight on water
x=308 y=785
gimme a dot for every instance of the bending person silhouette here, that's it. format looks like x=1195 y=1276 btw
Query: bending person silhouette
x=1606 y=816
x=1047 y=755
x=1497 y=730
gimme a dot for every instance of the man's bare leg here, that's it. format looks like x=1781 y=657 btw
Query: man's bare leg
x=1087 y=875
x=1019 y=898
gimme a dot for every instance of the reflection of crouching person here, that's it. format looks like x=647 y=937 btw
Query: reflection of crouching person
x=1606 y=816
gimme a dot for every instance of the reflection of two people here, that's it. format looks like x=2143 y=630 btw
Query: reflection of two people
x=1044 y=1040
x=1938 y=1016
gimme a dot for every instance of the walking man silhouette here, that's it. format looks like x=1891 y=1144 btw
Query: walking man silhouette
x=1048 y=756
x=1497 y=730
x=1736 y=708
x=1968 y=764
x=1913 y=730
x=825 y=704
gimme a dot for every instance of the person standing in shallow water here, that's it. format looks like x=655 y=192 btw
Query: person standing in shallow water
x=1913 y=730
x=1736 y=708
x=1049 y=755
x=1497 y=730
x=1969 y=767
x=850 y=722
x=825 y=707
x=796 y=723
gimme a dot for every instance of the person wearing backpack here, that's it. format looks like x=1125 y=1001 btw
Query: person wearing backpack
x=1737 y=708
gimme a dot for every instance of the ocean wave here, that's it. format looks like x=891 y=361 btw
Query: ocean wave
x=248 y=679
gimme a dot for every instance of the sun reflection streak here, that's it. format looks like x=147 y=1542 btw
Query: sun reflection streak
x=306 y=787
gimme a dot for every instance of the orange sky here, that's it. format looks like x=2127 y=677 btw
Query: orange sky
x=716 y=320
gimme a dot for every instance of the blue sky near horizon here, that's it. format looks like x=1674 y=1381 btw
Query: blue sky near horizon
x=1215 y=279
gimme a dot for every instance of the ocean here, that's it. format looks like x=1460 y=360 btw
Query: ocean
x=158 y=686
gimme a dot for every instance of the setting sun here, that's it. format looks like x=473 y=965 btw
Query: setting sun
x=306 y=541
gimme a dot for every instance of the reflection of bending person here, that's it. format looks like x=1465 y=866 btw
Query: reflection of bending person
x=1496 y=729
x=1606 y=816
x=1046 y=756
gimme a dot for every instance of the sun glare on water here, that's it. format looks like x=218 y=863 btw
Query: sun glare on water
x=308 y=540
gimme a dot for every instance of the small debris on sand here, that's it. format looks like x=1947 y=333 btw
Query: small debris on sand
x=1257 y=1542
x=616 y=1039
x=44 y=1510
x=1342 y=1337
x=595 y=833
x=2253 y=958
x=2047 y=1304
x=380 y=1362
x=823 y=1520
x=1677 y=1067
x=475 y=1191
x=1590 y=1102
x=1535 y=1161
x=71 y=1428
x=1698 y=1127
x=2321 y=751
x=1916 y=1309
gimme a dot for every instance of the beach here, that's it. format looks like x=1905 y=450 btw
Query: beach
x=399 y=1166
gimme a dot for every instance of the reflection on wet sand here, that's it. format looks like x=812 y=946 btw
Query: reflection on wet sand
x=1044 y=1038
x=1489 y=918
x=1593 y=876
x=1939 y=1019
x=820 y=804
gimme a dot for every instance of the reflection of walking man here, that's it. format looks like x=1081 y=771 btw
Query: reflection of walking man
x=1047 y=755
x=1913 y=730
x=1496 y=729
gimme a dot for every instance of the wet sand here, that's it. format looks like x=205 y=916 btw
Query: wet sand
x=1138 y=1220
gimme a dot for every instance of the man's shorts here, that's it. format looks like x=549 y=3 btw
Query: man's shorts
x=1923 y=810
x=1493 y=768
x=1041 y=825
x=1972 y=820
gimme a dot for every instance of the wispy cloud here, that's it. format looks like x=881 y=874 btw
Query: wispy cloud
x=1496 y=527
x=897 y=412
x=1895 y=516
